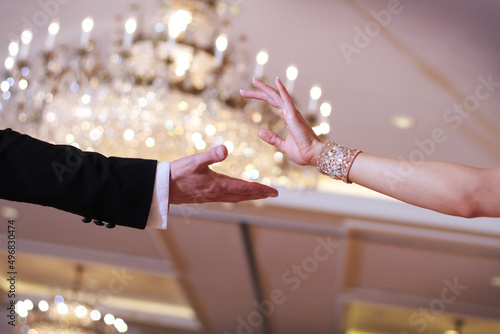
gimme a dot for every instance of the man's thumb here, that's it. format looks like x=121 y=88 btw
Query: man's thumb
x=216 y=154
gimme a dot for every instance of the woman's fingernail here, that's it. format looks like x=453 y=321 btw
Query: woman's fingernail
x=242 y=91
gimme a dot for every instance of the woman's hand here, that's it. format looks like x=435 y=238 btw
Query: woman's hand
x=301 y=145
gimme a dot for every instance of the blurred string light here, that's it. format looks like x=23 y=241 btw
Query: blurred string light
x=66 y=316
x=169 y=88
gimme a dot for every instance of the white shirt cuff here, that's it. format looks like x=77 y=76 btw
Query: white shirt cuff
x=158 y=213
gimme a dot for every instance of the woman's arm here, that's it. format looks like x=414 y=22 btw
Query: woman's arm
x=440 y=186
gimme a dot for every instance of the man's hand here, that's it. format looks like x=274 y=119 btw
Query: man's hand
x=192 y=181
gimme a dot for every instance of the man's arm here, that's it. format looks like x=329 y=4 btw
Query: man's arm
x=115 y=190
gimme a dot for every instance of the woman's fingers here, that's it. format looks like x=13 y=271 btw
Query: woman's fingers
x=251 y=94
x=271 y=138
x=270 y=91
x=285 y=97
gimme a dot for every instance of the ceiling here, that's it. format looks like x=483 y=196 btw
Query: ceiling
x=338 y=259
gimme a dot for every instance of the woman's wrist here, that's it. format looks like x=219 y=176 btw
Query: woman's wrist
x=317 y=148
x=335 y=160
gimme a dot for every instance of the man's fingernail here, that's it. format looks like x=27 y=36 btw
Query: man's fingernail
x=220 y=151
x=242 y=91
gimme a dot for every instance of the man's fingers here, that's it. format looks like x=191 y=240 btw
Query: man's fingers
x=271 y=138
x=211 y=156
x=238 y=190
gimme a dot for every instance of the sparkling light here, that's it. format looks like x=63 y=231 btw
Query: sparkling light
x=143 y=102
x=86 y=99
x=129 y=134
x=28 y=304
x=229 y=145
x=95 y=315
x=325 y=109
x=210 y=130
x=62 y=308
x=13 y=48
x=96 y=133
x=26 y=36
x=200 y=145
x=87 y=24
x=292 y=72
x=109 y=319
x=324 y=128
x=278 y=157
x=50 y=116
x=53 y=28
x=120 y=325
x=262 y=57
x=315 y=92
x=150 y=142
x=23 y=84
x=21 y=309
x=69 y=138
x=43 y=306
x=183 y=64
x=221 y=42
x=130 y=26
x=179 y=22
x=254 y=174
x=9 y=63
x=80 y=311
x=4 y=86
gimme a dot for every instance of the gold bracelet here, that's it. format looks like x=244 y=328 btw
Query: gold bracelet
x=335 y=161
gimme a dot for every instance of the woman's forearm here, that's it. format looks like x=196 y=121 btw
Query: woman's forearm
x=440 y=186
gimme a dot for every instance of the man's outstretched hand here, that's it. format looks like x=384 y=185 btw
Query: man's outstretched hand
x=192 y=181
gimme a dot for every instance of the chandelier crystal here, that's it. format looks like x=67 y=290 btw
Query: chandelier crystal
x=165 y=91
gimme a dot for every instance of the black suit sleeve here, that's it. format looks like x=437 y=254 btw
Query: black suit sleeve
x=115 y=190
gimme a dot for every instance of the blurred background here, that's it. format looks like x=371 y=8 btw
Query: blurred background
x=160 y=79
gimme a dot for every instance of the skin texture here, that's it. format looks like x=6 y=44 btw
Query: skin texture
x=192 y=181
x=444 y=187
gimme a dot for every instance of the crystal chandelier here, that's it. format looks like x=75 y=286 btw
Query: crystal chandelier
x=164 y=92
